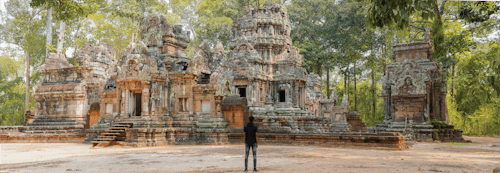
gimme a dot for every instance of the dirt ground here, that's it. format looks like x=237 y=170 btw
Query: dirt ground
x=480 y=156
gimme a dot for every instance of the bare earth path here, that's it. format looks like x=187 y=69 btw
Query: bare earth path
x=479 y=156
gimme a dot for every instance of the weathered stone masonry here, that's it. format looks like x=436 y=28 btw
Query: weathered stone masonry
x=414 y=92
x=154 y=95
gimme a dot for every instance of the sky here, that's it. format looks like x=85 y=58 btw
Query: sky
x=2 y=7
x=491 y=36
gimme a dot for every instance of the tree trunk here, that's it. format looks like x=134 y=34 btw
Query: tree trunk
x=373 y=93
x=345 y=83
x=60 y=35
x=347 y=91
x=319 y=69
x=355 y=90
x=328 y=83
x=133 y=22
x=49 y=30
x=452 y=79
x=385 y=59
x=485 y=115
x=27 y=101
x=76 y=36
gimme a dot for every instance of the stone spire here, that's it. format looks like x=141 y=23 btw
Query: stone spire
x=219 y=48
x=344 y=101
x=334 y=96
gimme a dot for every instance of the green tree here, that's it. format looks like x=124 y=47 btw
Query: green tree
x=475 y=90
x=11 y=86
x=23 y=28
x=66 y=10
x=307 y=20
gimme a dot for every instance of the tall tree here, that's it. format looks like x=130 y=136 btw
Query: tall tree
x=66 y=10
x=49 y=30
x=307 y=18
x=351 y=39
x=23 y=27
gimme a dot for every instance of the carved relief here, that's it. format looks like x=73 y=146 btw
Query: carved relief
x=409 y=78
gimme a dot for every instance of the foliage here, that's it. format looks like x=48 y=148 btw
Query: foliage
x=24 y=27
x=364 y=92
x=350 y=39
x=397 y=13
x=476 y=100
x=12 y=87
x=307 y=20
x=68 y=9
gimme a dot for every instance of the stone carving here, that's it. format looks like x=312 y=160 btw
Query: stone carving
x=414 y=93
x=154 y=85
x=409 y=78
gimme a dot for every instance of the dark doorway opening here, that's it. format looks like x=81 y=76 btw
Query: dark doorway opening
x=138 y=104
x=204 y=78
x=282 y=95
x=242 y=92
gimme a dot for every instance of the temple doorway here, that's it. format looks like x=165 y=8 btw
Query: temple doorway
x=242 y=90
x=138 y=104
x=93 y=115
x=282 y=95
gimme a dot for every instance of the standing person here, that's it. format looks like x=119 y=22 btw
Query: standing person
x=251 y=136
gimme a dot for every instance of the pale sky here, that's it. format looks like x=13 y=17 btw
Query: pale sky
x=2 y=8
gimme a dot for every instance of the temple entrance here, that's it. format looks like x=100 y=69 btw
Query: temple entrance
x=282 y=95
x=93 y=115
x=138 y=104
x=242 y=91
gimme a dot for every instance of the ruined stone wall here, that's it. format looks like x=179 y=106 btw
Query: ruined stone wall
x=414 y=92
x=413 y=87
x=60 y=97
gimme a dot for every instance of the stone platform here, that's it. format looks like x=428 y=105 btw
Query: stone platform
x=388 y=141
x=30 y=134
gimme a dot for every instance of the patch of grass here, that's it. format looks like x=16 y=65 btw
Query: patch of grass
x=454 y=143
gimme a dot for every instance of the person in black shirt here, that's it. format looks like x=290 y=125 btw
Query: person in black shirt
x=251 y=136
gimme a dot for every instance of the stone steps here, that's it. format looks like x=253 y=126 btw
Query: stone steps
x=58 y=127
x=50 y=131
x=115 y=132
x=207 y=123
x=52 y=119
x=52 y=123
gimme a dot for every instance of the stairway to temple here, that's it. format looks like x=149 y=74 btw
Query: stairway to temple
x=211 y=123
x=40 y=122
x=356 y=124
x=182 y=120
x=114 y=133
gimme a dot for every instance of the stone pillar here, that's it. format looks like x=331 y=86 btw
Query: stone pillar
x=145 y=102
x=197 y=106
x=189 y=104
x=296 y=95
x=176 y=100
x=303 y=95
x=270 y=54
x=126 y=103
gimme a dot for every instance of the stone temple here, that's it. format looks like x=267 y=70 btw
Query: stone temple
x=154 y=95
x=414 y=93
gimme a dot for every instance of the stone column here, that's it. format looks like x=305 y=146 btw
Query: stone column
x=270 y=53
x=302 y=98
x=167 y=106
x=126 y=103
x=296 y=95
x=145 y=102
x=198 y=106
